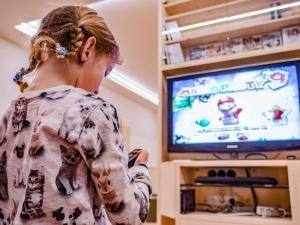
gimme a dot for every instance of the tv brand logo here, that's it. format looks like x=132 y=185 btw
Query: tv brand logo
x=232 y=146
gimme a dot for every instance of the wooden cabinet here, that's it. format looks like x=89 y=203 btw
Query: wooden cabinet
x=285 y=194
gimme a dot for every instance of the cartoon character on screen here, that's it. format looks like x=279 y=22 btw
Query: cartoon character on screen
x=277 y=115
x=181 y=103
x=203 y=98
x=230 y=111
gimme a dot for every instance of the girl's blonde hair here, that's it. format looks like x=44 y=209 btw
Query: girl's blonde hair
x=70 y=26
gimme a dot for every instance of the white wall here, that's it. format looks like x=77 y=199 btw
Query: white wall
x=134 y=24
x=12 y=58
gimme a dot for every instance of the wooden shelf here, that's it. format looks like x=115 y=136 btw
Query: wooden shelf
x=229 y=61
x=230 y=163
x=181 y=6
x=226 y=9
x=199 y=185
x=240 y=28
x=208 y=9
x=235 y=218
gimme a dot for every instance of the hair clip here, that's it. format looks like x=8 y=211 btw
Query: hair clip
x=60 y=51
x=18 y=78
x=19 y=75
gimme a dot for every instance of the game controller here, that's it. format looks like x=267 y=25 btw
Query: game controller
x=132 y=156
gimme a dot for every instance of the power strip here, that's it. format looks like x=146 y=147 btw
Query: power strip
x=220 y=201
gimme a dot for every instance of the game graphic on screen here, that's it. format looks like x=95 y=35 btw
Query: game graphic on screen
x=254 y=105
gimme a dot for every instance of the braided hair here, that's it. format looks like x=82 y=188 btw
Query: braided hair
x=69 y=26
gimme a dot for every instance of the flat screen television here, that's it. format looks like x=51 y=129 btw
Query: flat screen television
x=250 y=109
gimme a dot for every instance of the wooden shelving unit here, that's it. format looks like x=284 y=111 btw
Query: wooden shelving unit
x=242 y=28
x=179 y=174
x=213 y=218
x=234 y=60
x=222 y=31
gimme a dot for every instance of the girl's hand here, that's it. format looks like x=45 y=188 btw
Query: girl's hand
x=143 y=157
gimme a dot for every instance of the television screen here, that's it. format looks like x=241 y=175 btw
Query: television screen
x=254 y=108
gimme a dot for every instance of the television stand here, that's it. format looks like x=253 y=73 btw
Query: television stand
x=177 y=176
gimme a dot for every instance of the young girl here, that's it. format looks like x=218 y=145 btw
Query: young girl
x=62 y=158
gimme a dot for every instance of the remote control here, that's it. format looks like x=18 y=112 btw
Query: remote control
x=132 y=156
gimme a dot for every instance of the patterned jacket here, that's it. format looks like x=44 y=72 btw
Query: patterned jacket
x=62 y=161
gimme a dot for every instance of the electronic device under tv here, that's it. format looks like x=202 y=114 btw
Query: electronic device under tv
x=250 y=109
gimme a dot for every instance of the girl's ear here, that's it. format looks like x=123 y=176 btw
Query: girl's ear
x=88 y=48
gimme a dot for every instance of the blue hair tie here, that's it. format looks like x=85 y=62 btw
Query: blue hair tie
x=19 y=75
x=60 y=51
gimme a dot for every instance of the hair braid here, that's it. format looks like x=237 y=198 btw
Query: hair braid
x=42 y=46
x=68 y=27
x=76 y=42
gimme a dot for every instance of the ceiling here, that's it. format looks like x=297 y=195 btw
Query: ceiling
x=133 y=22
x=14 y=12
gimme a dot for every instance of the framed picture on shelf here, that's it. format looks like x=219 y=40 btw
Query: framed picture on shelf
x=271 y=40
x=291 y=34
x=197 y=52
x=233 y=46
x=213 y=50
x=252 y=43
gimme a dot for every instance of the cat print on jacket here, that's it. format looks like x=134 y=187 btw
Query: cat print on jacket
x=63 y=161
x=19 y=118
x=19 y=150
x=120 y=143
x=54 y=95
x=72 y=123
x=109 y=112
x=93 y=146
x=88 y=129
x=3 y=128
x=109 y=194
x=75 y=214
x=66 y=177
x=115 y=115
x=3 y=219
x=60 y=215
x=144 y=206
x=3 y=177
x=36 y=148
x=32 y=205
x=19 y=179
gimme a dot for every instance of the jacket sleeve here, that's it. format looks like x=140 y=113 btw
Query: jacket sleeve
x=124 y=192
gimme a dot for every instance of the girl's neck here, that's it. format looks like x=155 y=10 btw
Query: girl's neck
x=55 y=72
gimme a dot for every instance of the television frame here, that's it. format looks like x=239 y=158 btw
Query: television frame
x=228 y=147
